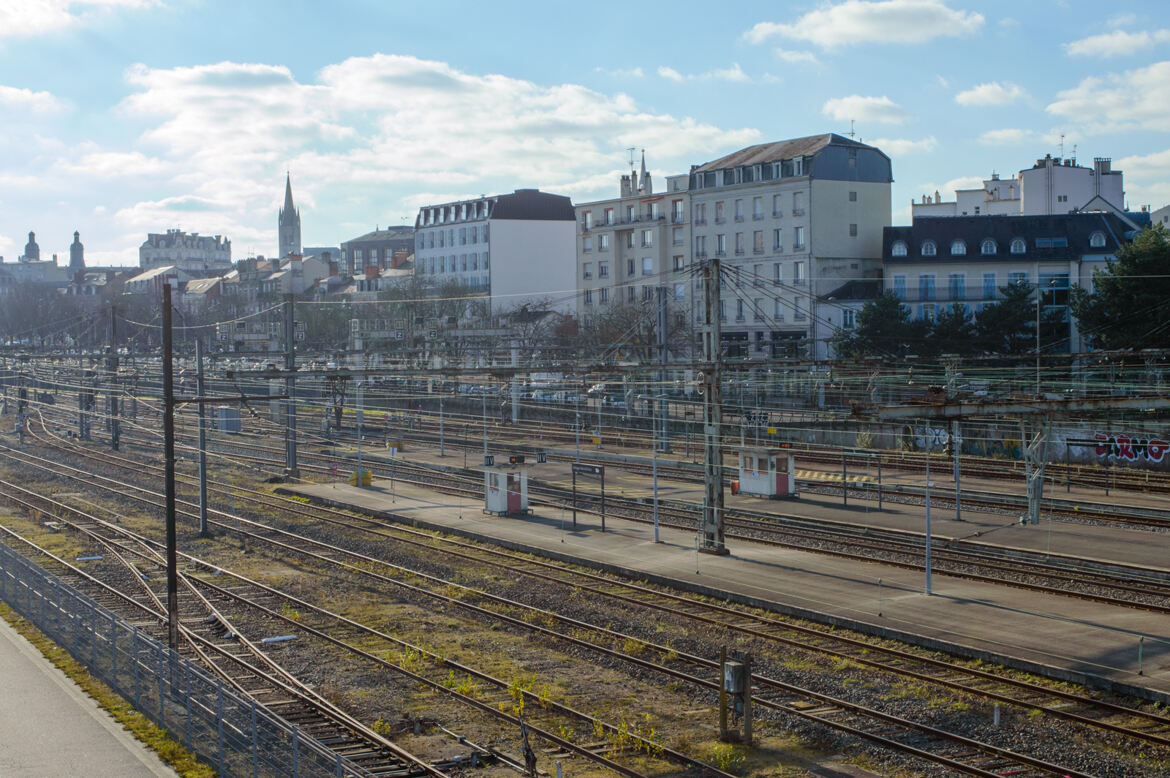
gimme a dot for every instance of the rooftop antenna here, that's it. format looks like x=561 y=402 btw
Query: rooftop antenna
x=1062 y=144
x=851 y=132
x=632 y=149
x=1074 y=154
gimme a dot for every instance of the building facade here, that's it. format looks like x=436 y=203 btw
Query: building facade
x=288 y=224
x=381 y=249
x=629 y=246
x=791 y=221
x=1051 y=186
x=194 y=254
x=514 y=249
x=939 y=262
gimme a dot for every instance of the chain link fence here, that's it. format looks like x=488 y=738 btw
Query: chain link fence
x=225 y=729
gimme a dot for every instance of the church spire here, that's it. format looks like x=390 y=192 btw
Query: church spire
x=288 y=223
x=288 y=201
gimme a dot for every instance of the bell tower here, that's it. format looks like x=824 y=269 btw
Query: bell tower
x=288 y=223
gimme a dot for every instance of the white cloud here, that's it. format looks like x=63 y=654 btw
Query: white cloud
x=115 y=164
x=1009 y=136
x=1118 y=43
x=962 y=182
x=943 y=82
x=1144 y=166
x=872 y=109
x=1136 y=99
x=621 y=72
x=734 y=73
x=990 y=93
x=1123 y=20
x=872 y=21
x=20 y=18
x=900 y=147
x=794 y=57
x=21 y=100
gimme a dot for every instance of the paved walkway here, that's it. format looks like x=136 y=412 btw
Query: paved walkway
x=49 y=727
x=999 y=622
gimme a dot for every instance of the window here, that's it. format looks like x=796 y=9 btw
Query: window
x=474 y=236
x=647 y=266
x=475 y=261
x=926 y=312
x=739 y=310
x=676 y=236
x=602 y=269
x=758 y=241
x=609 y=216
x=853 y=197
x=777 y=240
x=988 y=247
x=957 y=286
x=587 y=270
x=603 y=296
x=848 y=318
x=798 y=273
x=588 y=297
x=798 y=166
x=798 y=203
x=589 y=220
x=719 y=213
x=1062 y=198
x=701 y=213
x=485 y=262
x=603 y=243
x=798 y=310
x=1051 y=243
x=929 y=249
x=958 y=247
x=629 y=240
x=629 y=267
x=680 y=291
x=757 y=207
x=676 y=211
x=777 y=273
x=776 y=209
x=483 y=232
x=989 y=286
x=758 y=309
x=898 y=249
x=779 y=314
x=647 y=238
x=900 y=287
x=722 y=310
x=677 y=262
x=701 y=245
x=631 y=293
x=853 y=230
x=1018 y=246
x=739 y=210
x=739 y=243
x=1018 y=278
x=926 y=286
x=652 y=210
x=798 y=238
x=463 y=262
x=587 y=244
x=720 y=244
x=1097 y=240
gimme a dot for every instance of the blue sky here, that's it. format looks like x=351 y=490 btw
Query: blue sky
x=122 y=117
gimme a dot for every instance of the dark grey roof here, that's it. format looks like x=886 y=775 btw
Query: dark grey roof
x=856 y=289
x=533 y=204
x=1076 y=228
x=783 y=149
x=390 y=233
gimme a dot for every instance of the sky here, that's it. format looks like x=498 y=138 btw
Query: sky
x=124 y=117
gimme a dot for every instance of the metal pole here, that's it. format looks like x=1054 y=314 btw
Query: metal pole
x=358 y=421
x=844 y=478
x=112 y=369
x=441 y=449
x=654 y=451
x=711 y=528
x=574 y=500
x=600 y=398
x=928 y=518
x=603 y=500
x=879 y=468
x=169 y=473
x=484 y=396
x=199 y=389
x=955 y=455
x=290 y=364
x=1037 y=329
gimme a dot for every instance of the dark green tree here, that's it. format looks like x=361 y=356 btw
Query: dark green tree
x=883 y=328
x=953 y=332
x=1130 y=307
x=1009 y=325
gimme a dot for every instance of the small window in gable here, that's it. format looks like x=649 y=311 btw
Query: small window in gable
x=987 y=247
x=958 y=247
x=929 y=249
x=1018 y=246
x=898 y=249
x=1097 y=240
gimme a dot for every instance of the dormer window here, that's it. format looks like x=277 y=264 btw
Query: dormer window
x=929 y=249
x=1018 y=246
x=1097 y=240
x=898 y=249
x=987 y=247
x=958 y=247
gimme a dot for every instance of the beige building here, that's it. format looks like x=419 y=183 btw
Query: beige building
x=792 y=222
x=629 y=246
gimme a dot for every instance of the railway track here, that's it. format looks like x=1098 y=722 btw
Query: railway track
x=764 y=628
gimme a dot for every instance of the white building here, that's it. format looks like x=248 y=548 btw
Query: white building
x=630 y=245
x=793 y=221
x=1051 y=186
x=194 y=254
x=513 y=248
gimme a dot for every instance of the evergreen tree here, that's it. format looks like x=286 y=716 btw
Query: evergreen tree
x=1009 y=325
x=884 y=328
x=1130 y=307
x=953 y=332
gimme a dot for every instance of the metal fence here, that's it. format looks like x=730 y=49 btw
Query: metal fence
x=225 y=729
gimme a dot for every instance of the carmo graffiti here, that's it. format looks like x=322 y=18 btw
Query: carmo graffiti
x=1131 y=449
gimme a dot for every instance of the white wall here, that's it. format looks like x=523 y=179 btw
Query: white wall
x=533 y=260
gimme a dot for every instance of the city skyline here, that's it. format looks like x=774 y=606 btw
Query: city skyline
x=125 y=117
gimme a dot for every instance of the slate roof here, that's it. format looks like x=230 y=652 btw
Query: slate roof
x=784 y=149
x=533 y=205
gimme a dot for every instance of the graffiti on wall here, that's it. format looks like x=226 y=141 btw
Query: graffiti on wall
x=1130 y=449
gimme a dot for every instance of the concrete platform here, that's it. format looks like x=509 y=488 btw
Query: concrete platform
x=1060 y=636
x=50 y=727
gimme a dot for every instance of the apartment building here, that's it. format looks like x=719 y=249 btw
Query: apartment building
x=629 y=246
x=792 y=222
x=515 y=249
x=939 y=262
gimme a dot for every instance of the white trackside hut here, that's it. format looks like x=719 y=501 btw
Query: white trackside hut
x=767 y=472
x=506 y=489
